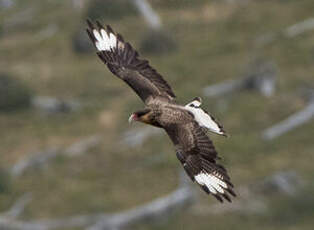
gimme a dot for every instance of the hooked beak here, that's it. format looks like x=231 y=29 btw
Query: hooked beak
x=132 y=118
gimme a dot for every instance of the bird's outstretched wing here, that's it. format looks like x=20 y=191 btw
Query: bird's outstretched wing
x=123 y=61
x=198 y=156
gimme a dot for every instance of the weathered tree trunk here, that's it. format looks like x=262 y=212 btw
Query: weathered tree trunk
x=156 y=40
x=290 y=123
x=159 y=208
x=289 y=32
x=150 y=16
x=41 y=158
x=18 y=207
x=262 y=77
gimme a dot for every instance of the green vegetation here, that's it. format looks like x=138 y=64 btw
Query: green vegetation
x=157 y=42
x=110 y=9
x=216 y=41
x=13 y=94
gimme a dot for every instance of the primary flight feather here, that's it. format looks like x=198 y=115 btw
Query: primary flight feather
x=186 y=125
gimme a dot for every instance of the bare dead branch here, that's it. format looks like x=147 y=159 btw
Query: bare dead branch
x=261 y=76
x=252 y=199
x=158 y=208
x=289 y=32
x=71 y=222
x=156 y=40
x=53 y=105
x=286 y=182
x=295 y=120
x=42 y=158
x=82 y=146
x=299 y=28
x=224 y=88
x=34 y=161
x=18 y=207
x=150 y=16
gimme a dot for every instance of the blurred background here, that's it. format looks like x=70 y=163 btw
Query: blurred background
x=69 y=158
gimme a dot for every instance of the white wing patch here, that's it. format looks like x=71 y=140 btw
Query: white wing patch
x=214 y=184
x=203 y=118
x=104 y=41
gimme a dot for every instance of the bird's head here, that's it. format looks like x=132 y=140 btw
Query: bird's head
x=141 y=115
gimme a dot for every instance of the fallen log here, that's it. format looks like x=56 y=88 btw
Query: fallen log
x=18 y=207
x=51 y=105
x=299 y=28
x=156 y=40
x=261 y=77
x=289 y=32
x=158 y=208
x=71 y=222
x=41 y=158
x=293 y=121
x=150 y=16
x=34 y=161
x=252 y=198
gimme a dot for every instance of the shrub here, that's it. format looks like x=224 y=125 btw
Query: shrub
x=110 y=9
x=4 y=181
x=13 y=93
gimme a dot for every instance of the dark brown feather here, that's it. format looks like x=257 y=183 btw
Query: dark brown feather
x=194 y=149
x=138 y=74
x=197 y=154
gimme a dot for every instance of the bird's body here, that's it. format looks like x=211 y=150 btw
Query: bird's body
x=186 y=125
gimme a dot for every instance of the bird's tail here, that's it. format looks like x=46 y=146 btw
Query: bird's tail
x=203 y=118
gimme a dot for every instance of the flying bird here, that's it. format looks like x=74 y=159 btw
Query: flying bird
x=186 y=125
